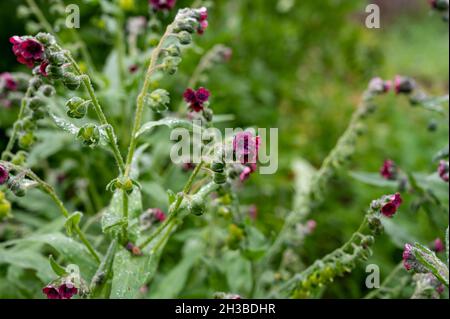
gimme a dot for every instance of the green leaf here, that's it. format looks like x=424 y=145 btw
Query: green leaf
x=28 y=259
x=172 y=197
x=169 y=122
x=255 y=245
x=373 y=179
x=72 y=221
x=430 y=261
x=131 y=273
x=112 y=217
x=65 y=125
x=58 y=269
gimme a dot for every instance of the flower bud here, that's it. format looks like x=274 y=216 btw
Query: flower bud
x=47 y=90
x=71 y=81
x=158 y=100
x=217 y=167
x=35 y=82
x=187 y=25
x=26 y=140
x=15 y=186
x=4 y=175
x=220 y=178
x=208 y=114
x=54 y=72
x=89 y=134
x=197 y=207
x=171 y=65
x=45 y=38
x=404 y=85
x=185 y=38
x=77 y=107
x=19 y=158
x=38 y=114
x=57 y=58
x=174 y=50
x=35 y=102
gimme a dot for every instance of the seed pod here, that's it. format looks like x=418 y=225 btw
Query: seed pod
x=185 y=38
x=77 y=107
x=71 y=81
x=26 y=140
x=35 y=102
x=89 y=135
x=47 y=90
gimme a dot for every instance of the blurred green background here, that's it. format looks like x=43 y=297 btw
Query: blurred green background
x=301 y=66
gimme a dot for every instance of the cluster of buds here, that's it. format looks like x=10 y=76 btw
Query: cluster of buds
x=12 y=88
x=400 y=85
x=158 y=100
x=427 y=287
x=443 y=171
x=410 y=261
x=151 y=216
x=18 y=185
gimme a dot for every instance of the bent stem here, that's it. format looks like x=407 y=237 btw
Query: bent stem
x=51 y=192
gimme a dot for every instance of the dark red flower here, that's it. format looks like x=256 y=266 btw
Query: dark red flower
x=196 y=99
x=390 y=208
x=43 y=68
x=246 y=147
x=438 y=245
x=389 y=170
x=51 y=292
x=203 y=20
x=443 y=171
x=67 y=290
x=408 y=257
x=162 y=4
x=27 y=50
x=404 y=85
x=159 y=215
x=4 y=175
x=8 y=81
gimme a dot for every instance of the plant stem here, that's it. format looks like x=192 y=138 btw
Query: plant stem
x=13 y=137
x=51 y=192
x=125 y=215
x=140 y=100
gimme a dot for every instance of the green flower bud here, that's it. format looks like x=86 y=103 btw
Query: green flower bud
x=220 y=178
x=38 y=114
x=174 y=50
x=26 y=140
x=71 y=81
x=57 y=58
x=89 y=134
x=77 y=107
x=208 y=114
x=171 y=65
x=35 y=102
x=197 y=207
x=28 y=123
x=217 y=167
x=45 y=38
x=35 y=82
x=15 y=185
x=54 y=71
x=158 y=100
x=186 y=26
x=185 y=38
x=19 y=158
x=47 y=90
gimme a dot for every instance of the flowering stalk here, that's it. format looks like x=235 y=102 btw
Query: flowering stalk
x=51 y=192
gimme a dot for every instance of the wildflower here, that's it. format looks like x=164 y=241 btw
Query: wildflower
x=43 y=68
x=389 y=170
x=247 y=171
x=196 y=99
x=159 y=215
x=159 y=5
x=51 y=292
x=27 y=50
x=443 y=171
x=203 y=20
x=67 y=290
x=390 y=208
x=8 y=81
x=246 y=147
x=404 y=85
x=378 y=86
x=4 y=175
x=438 y=245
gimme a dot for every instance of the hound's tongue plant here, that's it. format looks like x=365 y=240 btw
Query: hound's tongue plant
x=121 y=257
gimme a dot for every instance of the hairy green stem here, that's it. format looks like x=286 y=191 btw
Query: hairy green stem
x=51 y=192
